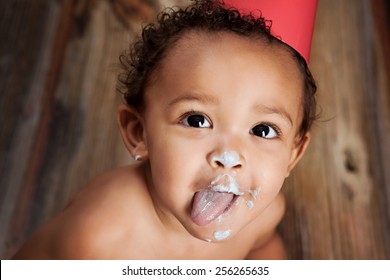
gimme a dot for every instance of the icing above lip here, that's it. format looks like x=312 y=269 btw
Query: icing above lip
x=226 y=183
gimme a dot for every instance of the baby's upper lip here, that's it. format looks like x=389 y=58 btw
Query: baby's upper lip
x=226 y=183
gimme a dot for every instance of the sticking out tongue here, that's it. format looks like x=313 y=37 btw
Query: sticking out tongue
x=208 y=205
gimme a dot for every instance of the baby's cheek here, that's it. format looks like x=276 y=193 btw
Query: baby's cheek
x=269 y=189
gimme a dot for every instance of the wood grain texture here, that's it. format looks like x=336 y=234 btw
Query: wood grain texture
x=28 y=36
x=58 y=108
x=336 y=198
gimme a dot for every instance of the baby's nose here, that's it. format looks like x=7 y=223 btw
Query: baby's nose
x=230 y=159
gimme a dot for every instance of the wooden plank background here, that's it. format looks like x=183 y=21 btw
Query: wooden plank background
x=58 y=103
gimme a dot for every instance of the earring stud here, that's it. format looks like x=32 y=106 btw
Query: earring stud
x=137 y=157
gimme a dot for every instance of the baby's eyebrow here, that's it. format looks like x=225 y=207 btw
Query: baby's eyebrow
x=198 y=97
x=274 y=110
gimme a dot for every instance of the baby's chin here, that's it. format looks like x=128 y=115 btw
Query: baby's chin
x=226 y=225
x=217 y=231
x=216 y=235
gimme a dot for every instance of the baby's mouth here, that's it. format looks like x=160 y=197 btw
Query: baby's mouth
x=209 y=204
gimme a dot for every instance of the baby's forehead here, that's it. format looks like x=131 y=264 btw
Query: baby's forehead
x=199 y=61
x=196 y=44
x=202 y=40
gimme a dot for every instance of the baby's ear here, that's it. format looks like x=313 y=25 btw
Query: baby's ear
x=298 y=150
x=131 y=126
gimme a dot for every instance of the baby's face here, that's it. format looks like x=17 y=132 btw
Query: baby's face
x=221 y=121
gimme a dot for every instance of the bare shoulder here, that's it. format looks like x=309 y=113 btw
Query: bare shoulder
x=268 y=244
x=94 y=222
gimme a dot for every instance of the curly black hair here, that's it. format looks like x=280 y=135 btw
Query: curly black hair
x=211 y=16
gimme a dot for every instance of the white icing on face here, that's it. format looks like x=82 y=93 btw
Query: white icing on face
x=226 y=183
x=227 y=159
x=255 y=193
x=221 y=235
x=249 y=203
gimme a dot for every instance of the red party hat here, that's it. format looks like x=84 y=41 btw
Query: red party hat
x=292 y=20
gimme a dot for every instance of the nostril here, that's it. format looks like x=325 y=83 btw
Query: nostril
x=227 y=160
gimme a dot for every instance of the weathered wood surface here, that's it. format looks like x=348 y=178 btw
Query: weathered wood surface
x=339 y=196
x=58 y=105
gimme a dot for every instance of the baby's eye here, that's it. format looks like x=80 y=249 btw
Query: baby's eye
x=264 y=131
x=196 y=120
